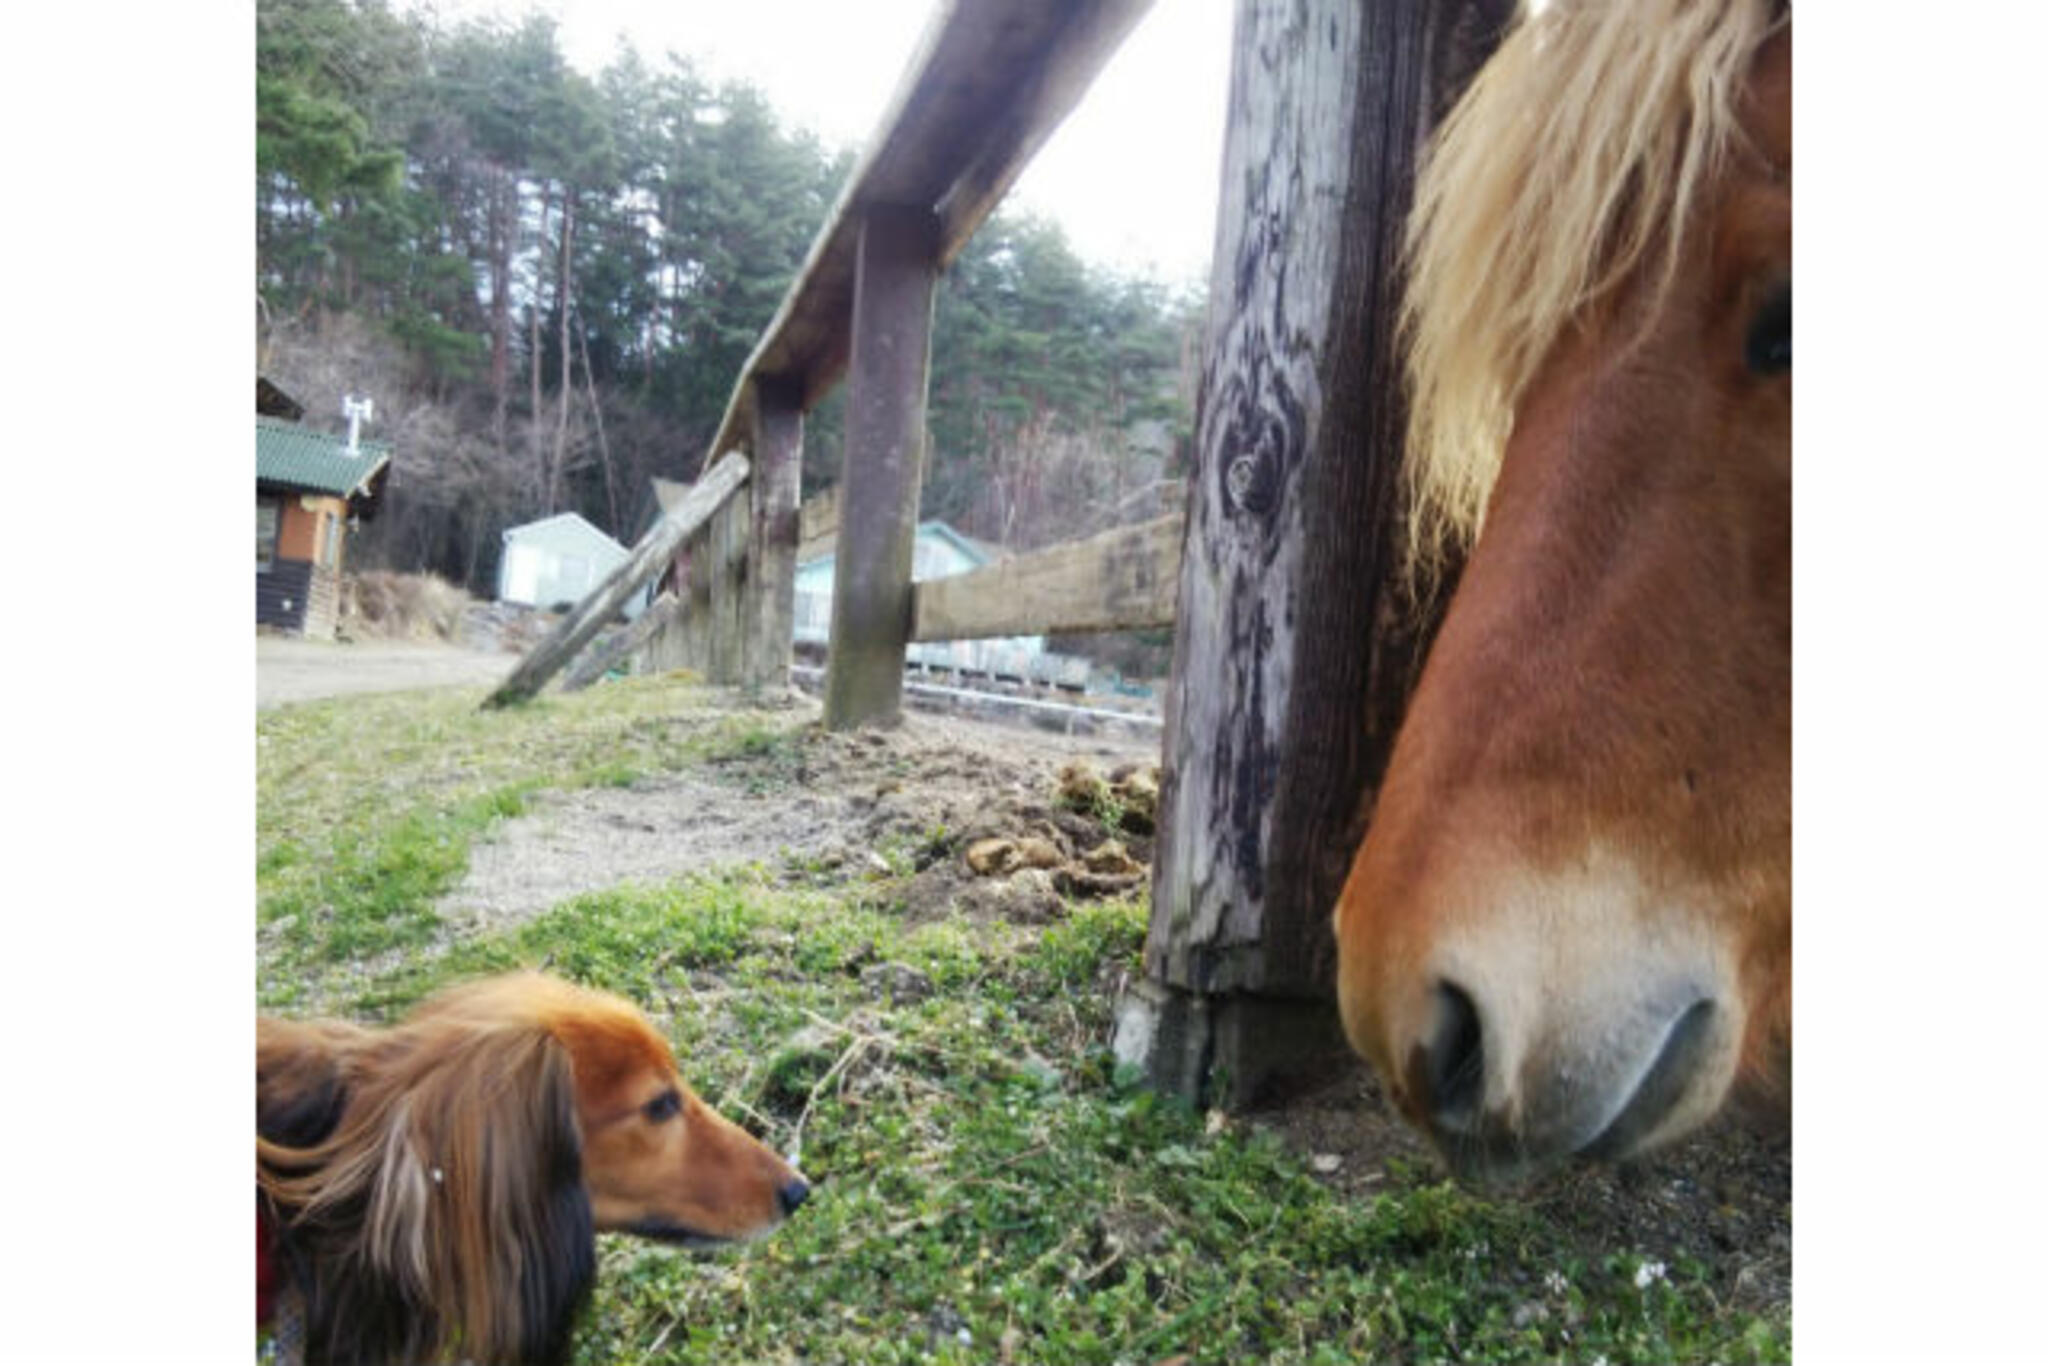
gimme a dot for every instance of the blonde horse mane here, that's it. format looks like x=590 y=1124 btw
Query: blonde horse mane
x=1572 y=160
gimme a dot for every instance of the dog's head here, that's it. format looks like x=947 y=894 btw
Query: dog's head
x=656 y=1160
x=437 y=1184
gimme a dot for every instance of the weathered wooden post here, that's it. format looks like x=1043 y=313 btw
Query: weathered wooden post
x=726 y=540
x=769 y=607
x=885 y=404
x=1292 y=656
x=694 y=652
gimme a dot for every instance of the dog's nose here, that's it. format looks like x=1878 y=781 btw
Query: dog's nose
x=792 y=1195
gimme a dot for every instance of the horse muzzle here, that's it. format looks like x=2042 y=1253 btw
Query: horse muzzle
x=1508 y=1093
x=1543 y=1020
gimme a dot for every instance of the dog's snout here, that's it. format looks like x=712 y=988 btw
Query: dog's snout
x=793 y=1194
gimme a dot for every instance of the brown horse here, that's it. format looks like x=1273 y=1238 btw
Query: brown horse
x=1568 y=933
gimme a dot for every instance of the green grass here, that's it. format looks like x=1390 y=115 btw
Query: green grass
x=366 y=808
x=987 y=1187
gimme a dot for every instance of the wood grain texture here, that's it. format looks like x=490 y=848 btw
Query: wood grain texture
x=768 y=608
x=595 y=662
x=1119 y=580
x=883 y=474
x=727 y=539
x=1292 y=657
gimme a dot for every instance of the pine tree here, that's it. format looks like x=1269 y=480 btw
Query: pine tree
x=618 y=244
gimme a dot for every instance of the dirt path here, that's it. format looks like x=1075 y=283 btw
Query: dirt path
x=836 y=801
x=303 y=670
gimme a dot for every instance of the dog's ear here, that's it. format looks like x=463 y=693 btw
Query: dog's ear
x=515 y=1254
x=447 y=1205
x=336 y=1164
x=300 y=1084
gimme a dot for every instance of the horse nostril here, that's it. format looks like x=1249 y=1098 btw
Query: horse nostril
x=792 y=1195
x=1453 y=1063
x=1673 y=1072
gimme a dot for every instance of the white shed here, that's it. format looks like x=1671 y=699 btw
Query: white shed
x=556 y=560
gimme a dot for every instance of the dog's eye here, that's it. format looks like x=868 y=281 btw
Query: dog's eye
x=665 y=1106
x=1768 y=349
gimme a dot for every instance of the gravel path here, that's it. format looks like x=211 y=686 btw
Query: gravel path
x=290 y=670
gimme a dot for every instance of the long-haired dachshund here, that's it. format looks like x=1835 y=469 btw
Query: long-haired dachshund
x=433 y=1189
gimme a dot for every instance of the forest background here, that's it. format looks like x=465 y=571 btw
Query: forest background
x=548 y=283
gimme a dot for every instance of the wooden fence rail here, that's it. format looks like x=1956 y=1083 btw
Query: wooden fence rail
x=989 y=82
x=1121 y=580
x=1124 y=579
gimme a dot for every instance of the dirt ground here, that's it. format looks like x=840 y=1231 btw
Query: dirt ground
x=829 y=801
x=291 y=670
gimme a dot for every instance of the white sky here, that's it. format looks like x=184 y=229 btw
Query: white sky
x=1131 y=175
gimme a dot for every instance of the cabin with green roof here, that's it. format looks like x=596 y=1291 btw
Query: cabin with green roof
x=311 y=488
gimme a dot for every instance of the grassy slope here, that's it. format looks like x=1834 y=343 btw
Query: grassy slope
x=988 y=1188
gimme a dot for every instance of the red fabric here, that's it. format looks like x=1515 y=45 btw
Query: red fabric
x=266 y=1274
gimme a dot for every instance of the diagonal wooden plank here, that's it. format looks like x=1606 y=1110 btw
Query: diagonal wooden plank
x=575 y=631
x=662 y=613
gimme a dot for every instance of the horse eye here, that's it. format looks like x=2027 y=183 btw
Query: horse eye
x=1768 y=351
x=665 y=1106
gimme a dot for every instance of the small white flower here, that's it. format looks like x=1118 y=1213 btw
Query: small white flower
x=1649 y=1273
x=1554 y=1282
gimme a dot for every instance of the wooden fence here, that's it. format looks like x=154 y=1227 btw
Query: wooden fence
x=989 y=82
x=1293 y=656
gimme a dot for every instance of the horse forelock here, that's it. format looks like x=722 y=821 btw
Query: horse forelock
x=1571 y=164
